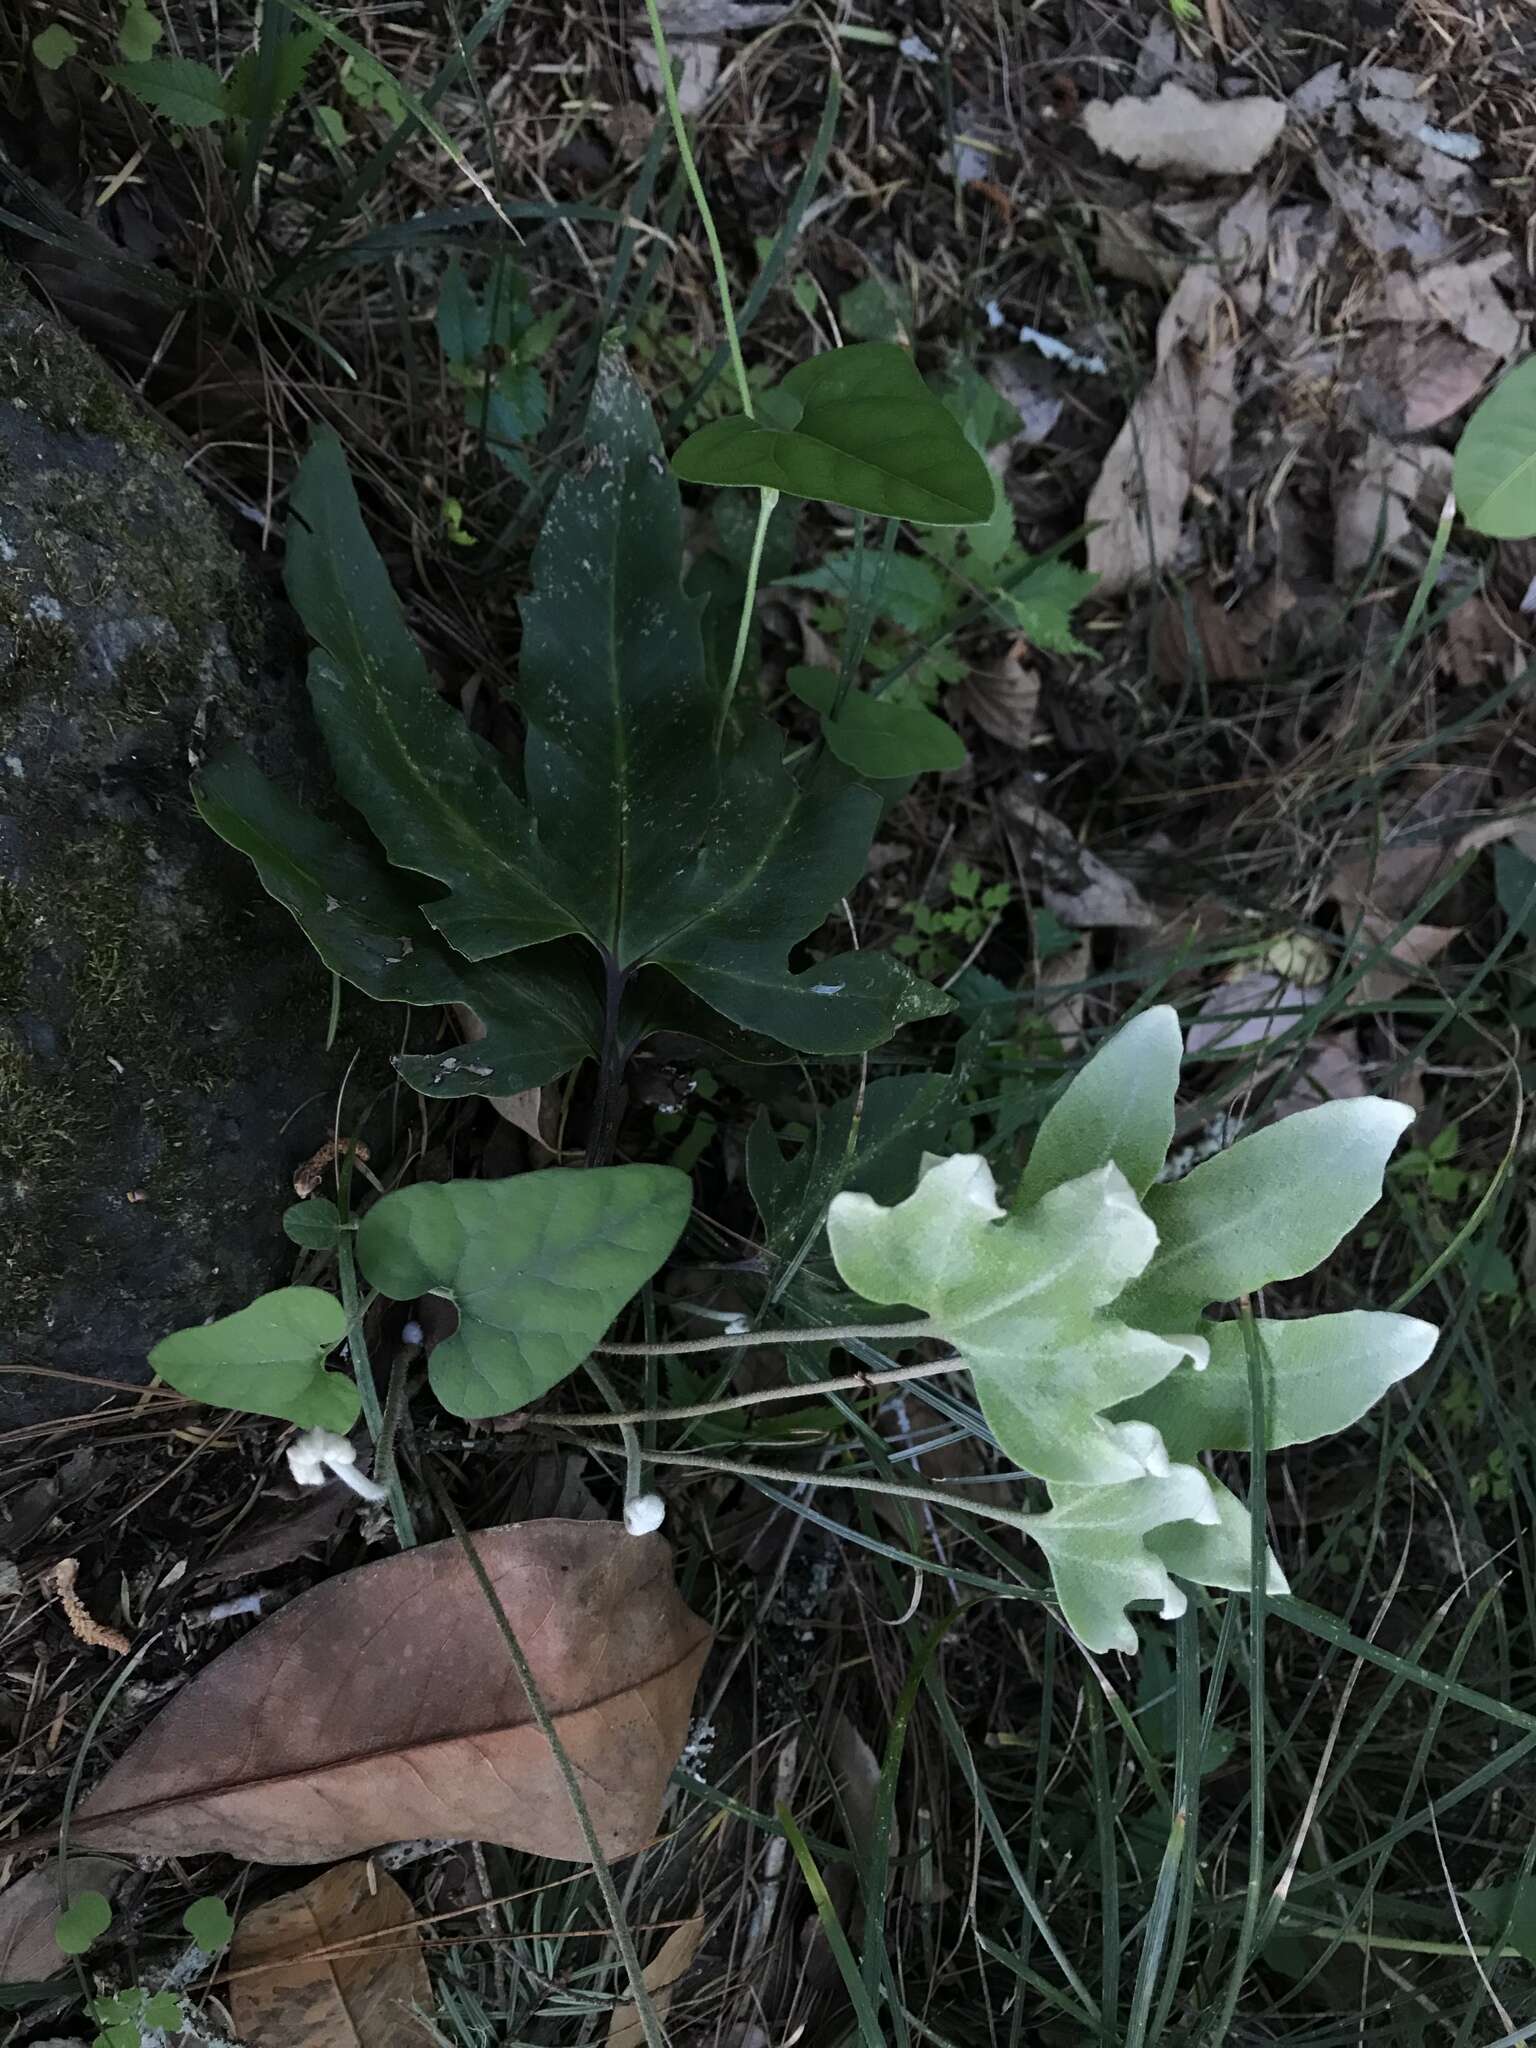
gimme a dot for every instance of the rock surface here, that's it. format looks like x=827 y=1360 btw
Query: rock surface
x=162 y=1023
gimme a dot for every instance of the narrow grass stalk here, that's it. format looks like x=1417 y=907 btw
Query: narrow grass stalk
x=650 y=2024
x=707 y=219
x=863 y=2006
x=1258 y=1593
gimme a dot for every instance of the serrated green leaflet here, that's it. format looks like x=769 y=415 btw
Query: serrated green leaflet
x=875 y=737
x=190 y=94
x=1321 y=1374
x=856 y=426
x=365 y=921
x=537 y=1267
x=1495 y=473
x=209 y=1924
x=1023 y=1299
x=266 y=1359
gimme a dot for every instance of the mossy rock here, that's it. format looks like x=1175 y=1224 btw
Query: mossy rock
x=163 y=1062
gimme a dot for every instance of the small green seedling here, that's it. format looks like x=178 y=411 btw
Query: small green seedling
x=1082 y=1315
x=209 y=1924
x=493 y=345
x=127 y=2017
x=84 y=1920
x=973 y=910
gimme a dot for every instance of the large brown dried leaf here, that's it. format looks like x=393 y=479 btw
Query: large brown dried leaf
x=384 y=1706
x=365 y=1997
x=1176 y=131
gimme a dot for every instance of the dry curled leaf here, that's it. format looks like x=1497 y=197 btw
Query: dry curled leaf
x=288 y=1992
x=30 y=1907
x=662 y=1973
x=1003 y=698
x=383 y=1705
x=1412 y=378
x=1180 y=426
x=1075 y=885
x=1177 y=131
x=1194 y=634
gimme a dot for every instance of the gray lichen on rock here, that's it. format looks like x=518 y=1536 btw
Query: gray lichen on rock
x=162 y=1024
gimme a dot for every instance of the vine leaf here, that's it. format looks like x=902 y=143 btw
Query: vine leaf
x=1118 y=1108
x=382 y=1706
x=874 y=736
x=1495 y=474
x=856 y=426
x=1270 y=1208
x=1321 y=1374
x=1023 y=1299
x=266 y=1359
x=537 y=1266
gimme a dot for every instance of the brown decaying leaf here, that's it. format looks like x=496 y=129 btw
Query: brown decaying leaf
x=1412 y=378
x=1003 y=698
x=1180 y=427
x=662 y=1973
x=1377 y=497
x=1461 y=296
x=30 y=1906
x=1216 y=649
x=1176 y=131
x=367 y=1998
x=280 y=1533
x=1075 y=885
x=383 y=1706
x=1413 y=951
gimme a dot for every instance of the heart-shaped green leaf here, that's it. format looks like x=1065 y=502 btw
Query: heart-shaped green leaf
x=1495 y=473
x=266 y=1359
x=1023 y=1299
x=84 y=1920
x=209 y=1924
x=537 y=1266
x=1118 y=1108
x=1271 y=1208
x=1322 y=1373
x=315 y=1225
x=875 y=737
x=870 y=434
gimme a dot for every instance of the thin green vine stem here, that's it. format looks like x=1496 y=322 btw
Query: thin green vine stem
x=848 y=1383
x=362 y=1365
x=743 y=1339
x=634 y=1470
x=695 y=186
x=766 y=501
x=947 y=1497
